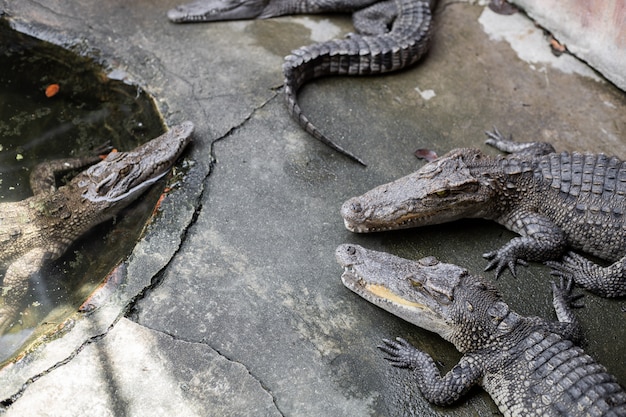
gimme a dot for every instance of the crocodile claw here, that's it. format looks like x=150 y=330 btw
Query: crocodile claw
x=401 y=352
x=499 y=262
x=571 y=265
x=495 y=138
x=564 y=290
x=574 y=267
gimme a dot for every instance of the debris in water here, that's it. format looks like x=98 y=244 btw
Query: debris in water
x=52 y=90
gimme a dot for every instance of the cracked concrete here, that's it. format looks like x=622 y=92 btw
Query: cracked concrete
x=232 y=302
x=128 y=372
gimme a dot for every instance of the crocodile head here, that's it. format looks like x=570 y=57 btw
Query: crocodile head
x=214 y=10
x=433 y=295
x=441 y=191
x=121 y=177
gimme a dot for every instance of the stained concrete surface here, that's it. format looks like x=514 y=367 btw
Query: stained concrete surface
x=232 y=303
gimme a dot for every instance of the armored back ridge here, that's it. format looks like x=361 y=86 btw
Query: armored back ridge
x=391 y=36
x=529 y=366
x=553 y=200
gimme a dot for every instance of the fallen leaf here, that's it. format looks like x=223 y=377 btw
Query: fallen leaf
x=52 y=90
x=557 y=47
x=427 y=154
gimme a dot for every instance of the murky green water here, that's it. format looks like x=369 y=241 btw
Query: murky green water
x=88 y=110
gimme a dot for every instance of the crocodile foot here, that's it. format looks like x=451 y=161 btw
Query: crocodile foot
x=533 y=149
x=501 y=259
x=401 y=353
x=563 y=291
x=607 y=281
x=563 y=301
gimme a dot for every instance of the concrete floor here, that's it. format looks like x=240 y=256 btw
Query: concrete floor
x=232 y=303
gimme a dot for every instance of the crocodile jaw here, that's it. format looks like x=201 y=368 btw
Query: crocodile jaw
x=389 y=282
x=441 y=191
x=216 y=10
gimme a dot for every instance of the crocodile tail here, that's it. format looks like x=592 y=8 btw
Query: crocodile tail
x=403 y=45
x=295 y=76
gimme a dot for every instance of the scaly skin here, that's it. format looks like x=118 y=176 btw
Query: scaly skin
x=553 y=200
x=393 y=35
x=529 y=366
x=41 y=228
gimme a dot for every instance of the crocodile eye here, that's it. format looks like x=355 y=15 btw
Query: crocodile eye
x=443 y=193
x=416 y=284
x=124 y=170
x=470 y=188
x=441 y=298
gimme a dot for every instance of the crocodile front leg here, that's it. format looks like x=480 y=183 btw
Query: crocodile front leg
x=541 y=240
x=533 y=149
x=42 y=177
x=607 y=281
x=15 y=284
x=435 y=388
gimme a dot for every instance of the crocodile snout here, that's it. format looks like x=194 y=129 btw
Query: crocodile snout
x=351 y=212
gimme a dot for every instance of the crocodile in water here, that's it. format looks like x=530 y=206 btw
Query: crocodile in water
x=39 y=229
x=553 y=200
x=529 y=366
x=393 y=34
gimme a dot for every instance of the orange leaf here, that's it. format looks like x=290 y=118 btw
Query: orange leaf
x=52 y=90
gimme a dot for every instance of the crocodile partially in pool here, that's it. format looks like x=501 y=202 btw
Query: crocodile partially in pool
x=530 y=366
x=40 y=228
x=554 y=200
x=392 y=35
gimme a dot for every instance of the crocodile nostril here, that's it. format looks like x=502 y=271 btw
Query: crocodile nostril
x=351 y=208
x=351 y=250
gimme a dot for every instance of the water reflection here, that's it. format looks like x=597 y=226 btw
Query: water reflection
x=88 y=110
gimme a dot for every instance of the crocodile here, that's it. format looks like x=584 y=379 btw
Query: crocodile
x=528 y=365
x=392 y=35
x=553 y=200
x=40 y=228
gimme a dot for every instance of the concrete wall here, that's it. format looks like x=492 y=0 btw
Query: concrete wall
x=593 y=30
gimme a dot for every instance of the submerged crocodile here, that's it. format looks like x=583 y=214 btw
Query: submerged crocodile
x=393 y=34
x=40 y=228
x=529 y=366
x=553 y=200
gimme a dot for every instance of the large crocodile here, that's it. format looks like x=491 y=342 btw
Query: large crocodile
x=393 y=34
x=40 y=228
x=529 y=366
x=553 y=200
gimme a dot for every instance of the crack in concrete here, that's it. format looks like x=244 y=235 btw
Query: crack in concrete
x=6 y=403
x=132 y=310
x=202 y=342
x=131 y=307
x=246 y=119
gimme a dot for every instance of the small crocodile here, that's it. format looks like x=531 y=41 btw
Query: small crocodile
x=553 y=200
x=393 y=35
x=530 y=366
x=40 y=228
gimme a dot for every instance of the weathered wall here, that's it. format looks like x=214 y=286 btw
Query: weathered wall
x=593 y=30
